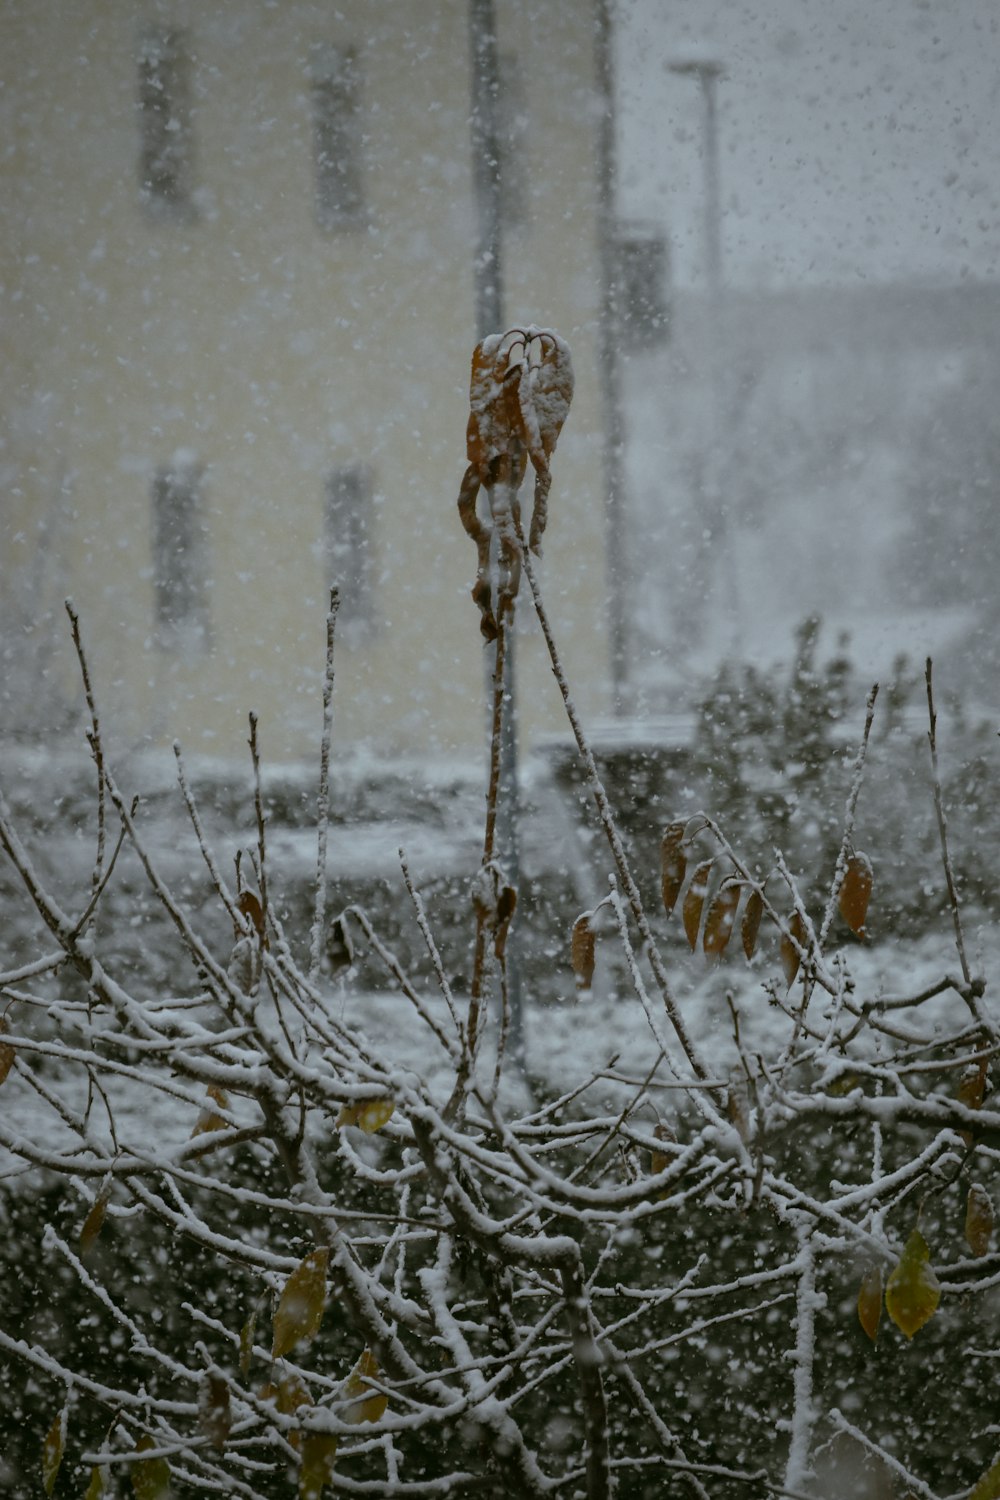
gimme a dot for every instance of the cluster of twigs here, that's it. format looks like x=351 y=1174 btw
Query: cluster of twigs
x=464 y=1245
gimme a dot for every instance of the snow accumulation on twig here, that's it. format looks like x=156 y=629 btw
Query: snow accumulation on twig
x=366 y=1258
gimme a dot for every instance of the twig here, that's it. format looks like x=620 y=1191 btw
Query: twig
x=323 y=794
x=942 y=823
x=94 y=738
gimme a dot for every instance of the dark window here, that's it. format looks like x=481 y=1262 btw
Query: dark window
x=348 y=544
x=338 y=141
x=179 y=557
x=165 y=134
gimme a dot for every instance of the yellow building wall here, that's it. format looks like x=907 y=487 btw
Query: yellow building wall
x=273 y=350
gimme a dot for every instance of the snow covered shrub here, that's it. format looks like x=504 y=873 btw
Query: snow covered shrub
x=270 y=1234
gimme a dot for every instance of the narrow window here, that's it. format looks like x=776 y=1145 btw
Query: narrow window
x=179 y=556
x=165 y=133
x=348 y=544
x=338 y=141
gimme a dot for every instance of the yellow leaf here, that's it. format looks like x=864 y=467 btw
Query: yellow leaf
x=370 y=1114
x=978 y=1219
x=751 y=922
x=367 y=1405
x=972 y=1091
x=300 y=1306
x=210 y=1119
x=319 y=1449
x=583 y=948
x=95 y=1489
x=988 y=1487
x=214 y=1412
x=721 y=916
x=855 y=892
x=870 y=1301
x=6 y=1050
x=673 y=864
x=52 y=1451
x=150 y=1476
x=913 y=1292
x=288 y=1395
x=694 y=901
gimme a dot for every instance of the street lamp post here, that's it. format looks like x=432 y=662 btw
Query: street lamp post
x=708 y=70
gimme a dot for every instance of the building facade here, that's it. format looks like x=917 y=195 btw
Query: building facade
x=240 y=314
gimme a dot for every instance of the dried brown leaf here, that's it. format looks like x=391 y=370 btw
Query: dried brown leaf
x=94 y=1221
x=215 y=1415
x=870 y=1301
x=52 y=1451
x=250 y=906
x=721 y=917
x=6 y=1050
x=673 y=864
x=583 y=951
x=978 y=1219
x=855 y=892
x=695 y=900
x=790 y=959
x=752 y=914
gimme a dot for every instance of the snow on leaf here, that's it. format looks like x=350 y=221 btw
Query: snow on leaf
x=288 y=1395
x=150 y=1476
x=855 y=892
x=673 y=864
x=721 y=917
x=52 y=1451
x=913 y=1291
x=300 y=1306
x=695 y=900
x=210 y=1119
x=978 y=1219
x=752 y=914
x=870 y=1301
x=367 y=1405
x=583 y=947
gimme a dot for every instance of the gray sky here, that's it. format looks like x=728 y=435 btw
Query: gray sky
x=860 y=139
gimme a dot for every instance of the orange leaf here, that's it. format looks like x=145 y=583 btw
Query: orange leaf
x=855 y=892
x=367 y=1405
x=721 y=916
x=694 y=901
x=673 y=865
x=583 y=946
x=94 y=1221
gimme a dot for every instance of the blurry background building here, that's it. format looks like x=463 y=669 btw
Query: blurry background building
x=238 y=254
